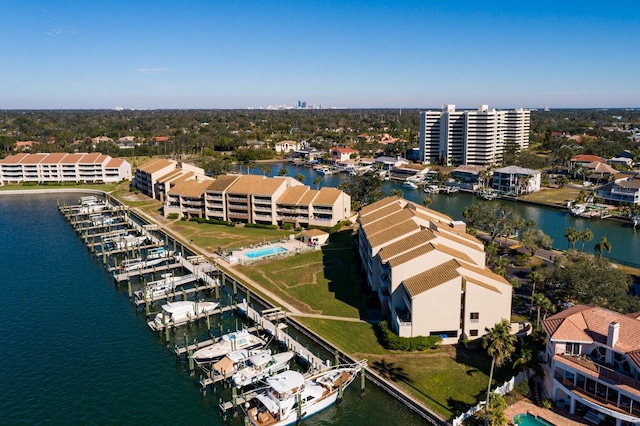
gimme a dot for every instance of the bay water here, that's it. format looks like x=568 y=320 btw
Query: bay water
x=75 y=351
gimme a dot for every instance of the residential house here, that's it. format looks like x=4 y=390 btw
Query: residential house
x=597 y=171
x=428 y=273
x=342 y=154
x=24 y=145
x=516 y=180
x=582 y=160
x=621 y=190
x=388 y=163
x=287 y=146
x=592 y=364
x=468 y=176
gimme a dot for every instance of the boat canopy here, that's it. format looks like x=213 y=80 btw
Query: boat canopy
x=286 y=381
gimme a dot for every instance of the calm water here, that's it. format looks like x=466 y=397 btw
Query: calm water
x=625 y=244
x=76 y=351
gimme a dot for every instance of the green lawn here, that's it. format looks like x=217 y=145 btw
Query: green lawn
x=342 y=334
x=211 y=237
x=320 y=282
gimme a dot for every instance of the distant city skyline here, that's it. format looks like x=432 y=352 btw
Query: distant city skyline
x=339 y=54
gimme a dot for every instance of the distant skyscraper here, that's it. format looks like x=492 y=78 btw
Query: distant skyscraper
x=302 y=104
x=451 y=137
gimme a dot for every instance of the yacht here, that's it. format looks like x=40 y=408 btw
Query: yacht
x=231 y=362
x=578 y=209
x=228 y=343
x=154 y=257
x=290 y=397
x=409 y=184
x=260 y=366
x=325 y=171
x=178 y=313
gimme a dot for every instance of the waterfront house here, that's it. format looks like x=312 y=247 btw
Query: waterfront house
x=582 y=160
x=468 y=175
x=63 y=167
x=622 y=190
x=342 y=154
x=286 y=146
x=592 y=364
x=516 y=180
x=428 y=273
x=388 y=163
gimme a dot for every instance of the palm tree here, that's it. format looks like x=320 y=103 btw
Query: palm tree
x=317 y=181
x=427 y=202
x=585 y=237
x=572 y=235
x=536 y=278
x=541 y=301
x=500 y=344
x=300 y=177
x=604 y=244
x=266 y=170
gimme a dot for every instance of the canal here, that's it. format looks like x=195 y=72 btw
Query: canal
x=625 y=245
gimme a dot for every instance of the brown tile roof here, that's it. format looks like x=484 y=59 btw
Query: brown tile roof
x=92 y=158
x=431 y=278
x=327 y=196
x=380 y=213
x=34 y=159
x=72 y=159
x=190 y=188
x=455 y=253
x=292 y=195
x=313 y=232
x=402 y=229
x=256 y=185
x=378 y=204
x=115 y=162
x=457 y=238
x=156 y=164
x=13 y=159
x=411 y=254
x=308 y=197
x=172 y=175
x=486 y=272
x=429 y=213
x=585 y=158
x=481 y=284
x=56 y=157
x=222 y=183
x=387 y=222
x=406 y=244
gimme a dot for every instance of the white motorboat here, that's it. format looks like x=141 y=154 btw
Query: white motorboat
x=325 y=171
x=154 y=257
x=260 y=366
x=227 y=343
x=409 y=184
x=102 y=220
x=578 y=209
x=289 y=397
x=177 y=313
x=165 y=285
x=451 y=189
x=432 y=189
x=231 y=362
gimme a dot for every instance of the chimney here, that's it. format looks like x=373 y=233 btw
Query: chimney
x=614 y=332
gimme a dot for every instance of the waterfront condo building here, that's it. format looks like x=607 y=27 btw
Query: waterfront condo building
x=154 y=178
x=593 y=364
x=429 y=273
x=63 y=167
x=255 y=199
x=474 y=137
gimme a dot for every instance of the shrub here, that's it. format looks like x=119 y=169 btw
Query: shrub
x=547 y=403
x=287 y=226
x=173 y=215
x=391 y=341
x=260 y=226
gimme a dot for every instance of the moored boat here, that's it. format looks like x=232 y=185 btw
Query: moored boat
x=231 y=362
x=409 y=184
x=260 y=366
x=177 y=313
x=290 y=397
x=227 y=343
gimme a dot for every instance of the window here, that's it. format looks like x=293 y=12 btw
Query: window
x=473 y=333
x=475 y=316
x=572 y=349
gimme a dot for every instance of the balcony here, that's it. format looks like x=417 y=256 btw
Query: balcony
x=597 y=371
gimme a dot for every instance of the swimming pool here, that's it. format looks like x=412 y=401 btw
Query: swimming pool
x=527 y=419
x=254 y=254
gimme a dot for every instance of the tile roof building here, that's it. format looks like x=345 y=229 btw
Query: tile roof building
x=593 y=363
x=476 y=137
x=154 y=178
x=63 y=167
x=623 y=190
x=254 y=199
x=429 y=274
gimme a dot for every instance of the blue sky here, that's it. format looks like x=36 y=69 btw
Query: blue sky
x=352 y=54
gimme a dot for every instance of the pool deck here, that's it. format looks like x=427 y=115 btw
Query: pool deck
x=290 y=245
x=556 y=416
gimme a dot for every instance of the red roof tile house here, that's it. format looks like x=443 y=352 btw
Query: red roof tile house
x=583 y=160
x=341 y=154
x=593 y=364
